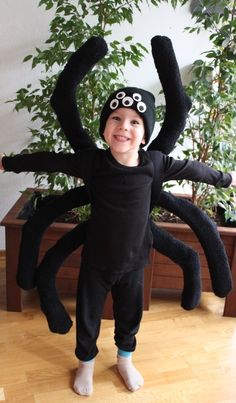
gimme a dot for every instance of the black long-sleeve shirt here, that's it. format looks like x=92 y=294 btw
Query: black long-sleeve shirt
x=119 y=238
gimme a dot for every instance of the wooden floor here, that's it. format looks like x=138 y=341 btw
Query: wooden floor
x=185 y=357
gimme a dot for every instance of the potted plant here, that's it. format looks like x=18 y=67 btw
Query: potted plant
x=69 y=28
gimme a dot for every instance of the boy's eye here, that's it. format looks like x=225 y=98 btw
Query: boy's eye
x=135 y=122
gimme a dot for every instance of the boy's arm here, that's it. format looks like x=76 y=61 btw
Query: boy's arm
x=197 y=172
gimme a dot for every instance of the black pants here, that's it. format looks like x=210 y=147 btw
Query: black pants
x=127 y=294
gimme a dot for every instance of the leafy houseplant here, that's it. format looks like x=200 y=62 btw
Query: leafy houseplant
x=210 y=134
x=212 y=121
x=70 y=26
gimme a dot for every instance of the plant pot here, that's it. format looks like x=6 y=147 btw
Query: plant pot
x=161 y=273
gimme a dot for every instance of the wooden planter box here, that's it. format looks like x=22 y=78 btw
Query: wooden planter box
x=161 y=272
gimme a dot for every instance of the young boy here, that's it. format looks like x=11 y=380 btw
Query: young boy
x=119 y=238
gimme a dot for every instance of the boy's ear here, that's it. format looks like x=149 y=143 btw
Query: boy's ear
x=143 y=140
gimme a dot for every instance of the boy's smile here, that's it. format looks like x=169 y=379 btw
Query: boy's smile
x=121 y=138
x=124 y=133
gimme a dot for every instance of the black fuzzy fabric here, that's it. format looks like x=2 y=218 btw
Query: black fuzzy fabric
x=209 y=237
x=58 y=319
x=177 y=102
x=35 y=227
x=186 y=258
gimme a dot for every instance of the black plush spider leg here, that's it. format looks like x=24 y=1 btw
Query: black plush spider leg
x=177 y=101
x=63 y=99
x=209 y=238
x=186 y=258
x=177 y=108
x=58 y=319
x=34 y=228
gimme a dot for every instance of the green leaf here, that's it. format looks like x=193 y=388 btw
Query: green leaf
x=128 y=38
x=26 y=58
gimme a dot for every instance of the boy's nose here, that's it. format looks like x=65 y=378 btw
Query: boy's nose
x=124 y=125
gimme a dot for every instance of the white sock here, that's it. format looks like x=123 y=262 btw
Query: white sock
x=83 y=383
x=132 y=378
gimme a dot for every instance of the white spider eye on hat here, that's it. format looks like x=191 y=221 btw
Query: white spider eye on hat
x=123 y=100
x=143 y=102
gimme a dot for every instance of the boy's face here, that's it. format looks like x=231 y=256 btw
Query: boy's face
x=124 y=132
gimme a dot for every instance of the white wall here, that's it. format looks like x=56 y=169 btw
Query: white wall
x=24 y=26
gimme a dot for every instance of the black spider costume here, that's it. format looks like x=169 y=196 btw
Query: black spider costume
x=64 y=104
x=120 y=205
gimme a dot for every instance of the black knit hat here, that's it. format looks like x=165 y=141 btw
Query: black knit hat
x=143 y=102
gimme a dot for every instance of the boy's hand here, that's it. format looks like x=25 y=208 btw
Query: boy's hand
x=1 y=166
x=233 y=174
